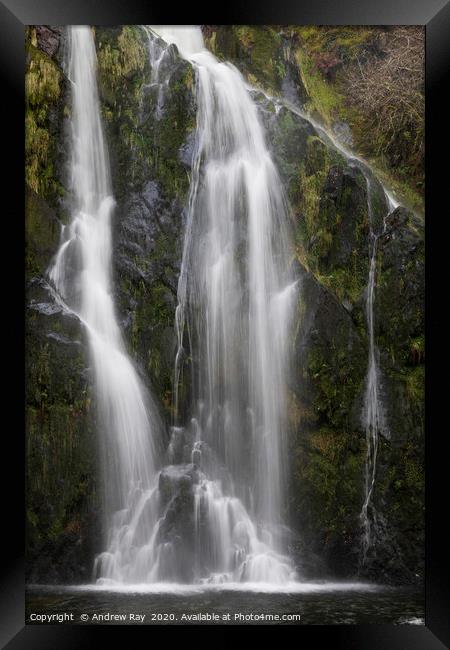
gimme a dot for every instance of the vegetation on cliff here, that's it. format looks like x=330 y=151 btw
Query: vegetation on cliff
x=364 y=83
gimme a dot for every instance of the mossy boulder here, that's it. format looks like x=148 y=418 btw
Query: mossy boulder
x=177 y=484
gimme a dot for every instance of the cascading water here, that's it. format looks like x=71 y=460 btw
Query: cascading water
x=81 y=274
x=235 y=295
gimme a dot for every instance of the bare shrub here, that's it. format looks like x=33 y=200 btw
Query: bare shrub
x=388 y=88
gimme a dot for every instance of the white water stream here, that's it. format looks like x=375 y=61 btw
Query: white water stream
x=373 y=416
x=81 y=274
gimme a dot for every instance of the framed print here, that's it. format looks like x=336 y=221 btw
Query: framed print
x=230 y=419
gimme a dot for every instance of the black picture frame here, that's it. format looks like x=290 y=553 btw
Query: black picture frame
x=435 y=15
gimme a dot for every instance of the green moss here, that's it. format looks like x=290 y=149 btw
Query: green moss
x=256 y=50
x=320 y=38
x=398 y=180
x=418 y=349
x=264 y=55
x=170 y=133
x=317 y=156
x=399 y=299
x=305 y=194
x=42 y=79
x=44 y=86
x=328 y=470
x=345 y=283
x=414 y=474
x=60 y=444
x=324 y=101
x=319 y=231
x=42 y=232
x=400 y=487
x=37 y=141
x=336 y=383
x=43 y=82
x=414 y=380
x=314 y=220
x=142 y=149
x=152 y=323
x=60 y=471
x=121 y=58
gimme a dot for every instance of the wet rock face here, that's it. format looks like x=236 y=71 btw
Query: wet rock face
x=61 y=444
x=327 y=448
x=400 y=322
x=177 y=527
x=150 y=128
x=286 y=136
x=146 y=220
x=146 y=270
x=48 y=39
x=345 y=201
x=176 y=480
x=328 y=441
x=292 y=86
x=399 y=328
x=326 y=405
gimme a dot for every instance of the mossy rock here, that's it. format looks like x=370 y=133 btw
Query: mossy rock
x=151 y=145
x=45 y=107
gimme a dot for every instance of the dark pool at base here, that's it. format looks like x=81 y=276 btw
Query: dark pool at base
x=393 y=606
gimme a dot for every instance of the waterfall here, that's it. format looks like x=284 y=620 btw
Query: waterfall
x=81 y=275
x=217 y=512
x=235 y=297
